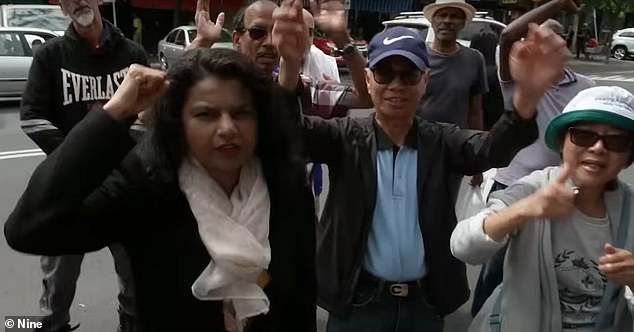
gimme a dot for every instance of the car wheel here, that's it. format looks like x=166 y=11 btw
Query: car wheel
x=619 y=52
x=163 y=62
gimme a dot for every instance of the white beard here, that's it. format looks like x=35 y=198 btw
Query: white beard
x=85 y=18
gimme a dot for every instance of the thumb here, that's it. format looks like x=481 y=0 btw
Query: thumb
x=562 y=178
x=609 y=249
x=220 y=20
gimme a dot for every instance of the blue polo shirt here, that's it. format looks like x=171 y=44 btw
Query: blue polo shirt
x=395 y=245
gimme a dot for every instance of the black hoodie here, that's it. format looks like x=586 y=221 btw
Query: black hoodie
x=67 y=77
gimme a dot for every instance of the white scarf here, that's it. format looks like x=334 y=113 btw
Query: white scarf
x=235 y=232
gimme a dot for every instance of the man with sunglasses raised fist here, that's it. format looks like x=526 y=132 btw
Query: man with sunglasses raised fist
x=253 y=37
x=383 y=258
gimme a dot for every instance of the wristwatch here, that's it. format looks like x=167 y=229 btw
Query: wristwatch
x=347 y=51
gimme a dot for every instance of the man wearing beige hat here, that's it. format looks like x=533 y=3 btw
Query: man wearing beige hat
x=458 y=74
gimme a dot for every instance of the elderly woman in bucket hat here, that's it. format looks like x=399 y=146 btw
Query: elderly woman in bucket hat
x=570 y=246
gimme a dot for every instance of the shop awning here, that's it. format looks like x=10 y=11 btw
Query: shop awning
x=382 y=6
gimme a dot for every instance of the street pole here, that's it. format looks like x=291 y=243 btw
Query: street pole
x=114 y=12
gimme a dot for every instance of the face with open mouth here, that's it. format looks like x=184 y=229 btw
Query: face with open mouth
x=596 y=153
x=255 y=41
x=220 y=124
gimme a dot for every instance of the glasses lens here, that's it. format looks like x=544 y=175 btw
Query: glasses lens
x=411 y=77
x=617 y=143
x=383 y=75
x=256 y=33
x=583 y=137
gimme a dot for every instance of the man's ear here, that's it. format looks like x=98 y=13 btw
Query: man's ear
x=235 y=38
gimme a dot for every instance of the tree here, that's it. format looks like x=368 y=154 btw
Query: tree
x=615 y=7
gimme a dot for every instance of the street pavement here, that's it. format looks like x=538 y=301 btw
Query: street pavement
x=95 y=301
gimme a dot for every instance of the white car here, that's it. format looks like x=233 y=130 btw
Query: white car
x=17 y=46
x=176 y=41
x=418 y=22
x=623 y=44
x=49 y=17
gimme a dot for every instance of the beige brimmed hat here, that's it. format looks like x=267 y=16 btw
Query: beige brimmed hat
x=431 y=9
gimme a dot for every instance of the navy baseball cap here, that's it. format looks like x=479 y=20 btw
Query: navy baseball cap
x=398 y=41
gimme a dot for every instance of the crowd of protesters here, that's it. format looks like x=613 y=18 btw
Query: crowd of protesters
x=198 y=176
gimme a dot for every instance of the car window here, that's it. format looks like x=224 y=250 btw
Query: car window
x=191 y=34
x=50 y=18
x=471 y=29
x=170 y=38
x=180 y=38
x=36 y=40
x=10 y=44
x=627 y=34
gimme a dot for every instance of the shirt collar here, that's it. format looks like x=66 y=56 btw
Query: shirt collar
x=383 y=142
x=569 y=78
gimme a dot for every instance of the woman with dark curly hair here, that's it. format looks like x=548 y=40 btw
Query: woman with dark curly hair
x=212 y=206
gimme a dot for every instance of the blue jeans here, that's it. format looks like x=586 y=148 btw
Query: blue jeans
x=372 y=312
x=491 y=274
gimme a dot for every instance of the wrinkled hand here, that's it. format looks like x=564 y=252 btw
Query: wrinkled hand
x=289 y=31
x=331 y=17
x=140 y=89
x=207 y=31
x=554 y=201
x=617 y=265
x=535 y=63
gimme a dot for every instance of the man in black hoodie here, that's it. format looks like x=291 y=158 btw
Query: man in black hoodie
x=68 y=76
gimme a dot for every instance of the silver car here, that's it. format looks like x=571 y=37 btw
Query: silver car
x=17 y=46
x=174 y=44
x=623 y=44
x=417 y=22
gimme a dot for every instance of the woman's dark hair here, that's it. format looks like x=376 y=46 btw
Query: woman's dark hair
x=166 y=136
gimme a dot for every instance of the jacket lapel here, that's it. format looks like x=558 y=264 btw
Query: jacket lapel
x=366 y=158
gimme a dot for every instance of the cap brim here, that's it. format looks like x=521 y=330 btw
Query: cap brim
x=431 y=9
x=563 y=121
x=418 y=62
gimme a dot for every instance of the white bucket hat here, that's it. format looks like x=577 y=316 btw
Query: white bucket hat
x=431 y=9
x=610 y=105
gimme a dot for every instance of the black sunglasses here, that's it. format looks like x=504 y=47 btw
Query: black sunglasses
x=384 y=75
x=256 y=33
x=612 y=142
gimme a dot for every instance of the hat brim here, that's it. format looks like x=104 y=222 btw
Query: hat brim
x=431 y=9
x=563 y=121
x=418 y=62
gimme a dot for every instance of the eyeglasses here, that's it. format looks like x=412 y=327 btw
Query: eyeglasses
x=311 y=32
x=612 y=142
x=256 y=33
x=387 y=75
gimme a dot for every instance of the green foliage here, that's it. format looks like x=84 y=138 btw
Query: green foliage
x=616 y=7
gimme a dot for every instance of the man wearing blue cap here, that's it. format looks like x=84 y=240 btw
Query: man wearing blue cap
x=383 y=256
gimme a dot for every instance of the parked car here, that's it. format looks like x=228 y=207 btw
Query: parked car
x=49 y=17
x=327 y=46
x=623 y=44
x=176 y=41
x=17 y=46
x=418 y=22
